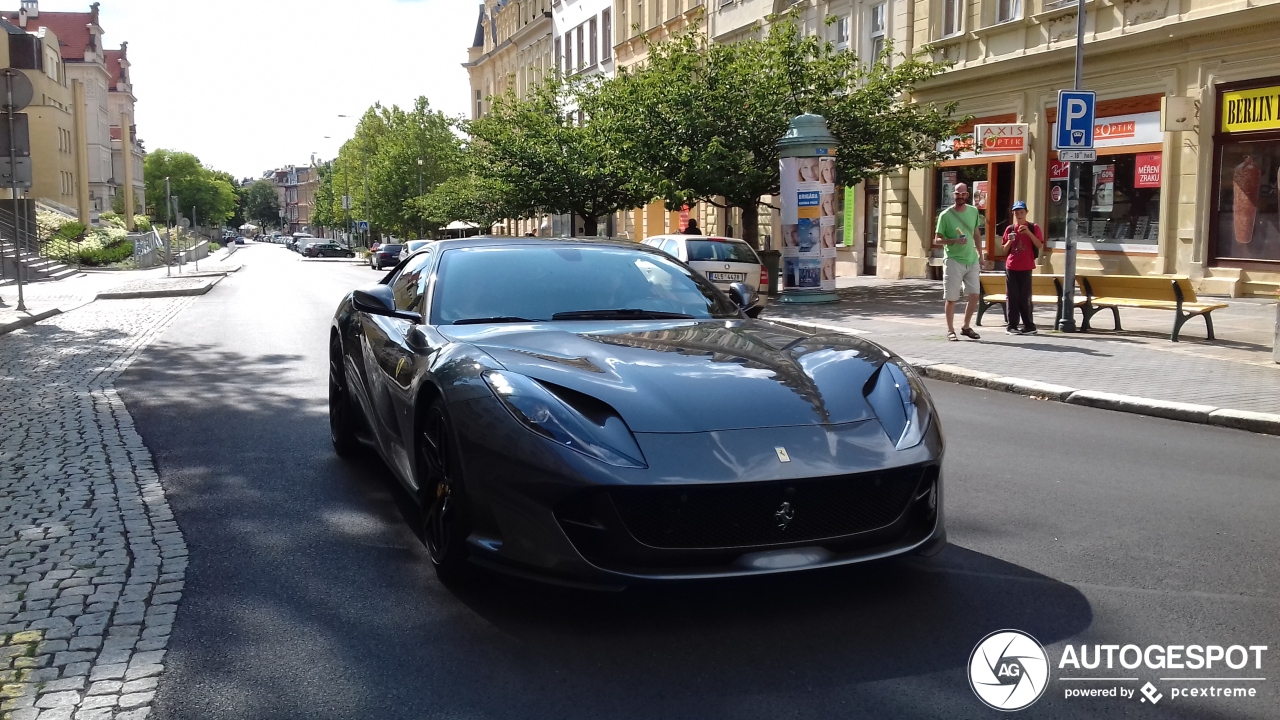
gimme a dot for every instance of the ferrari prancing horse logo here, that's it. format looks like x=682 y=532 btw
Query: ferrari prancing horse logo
x=782 y=454
x=785 y=515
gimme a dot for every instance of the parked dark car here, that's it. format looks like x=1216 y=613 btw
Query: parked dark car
x=598 y=412
x=384 y=256
x=328 y=250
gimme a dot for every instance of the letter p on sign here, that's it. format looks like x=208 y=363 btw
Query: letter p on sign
x=1074 y=129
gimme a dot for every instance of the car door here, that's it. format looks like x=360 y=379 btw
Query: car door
x=389 y=361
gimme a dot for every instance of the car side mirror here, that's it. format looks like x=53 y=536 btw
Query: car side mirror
x=379 y=300
x=743 y=296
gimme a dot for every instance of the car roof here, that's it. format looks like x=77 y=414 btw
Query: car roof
x=506 y=241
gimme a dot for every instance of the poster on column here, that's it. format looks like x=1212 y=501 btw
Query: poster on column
x=808 y=222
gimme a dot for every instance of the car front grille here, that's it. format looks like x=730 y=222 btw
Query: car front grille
x=740 y=515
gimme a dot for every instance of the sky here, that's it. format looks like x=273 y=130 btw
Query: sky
x=252 y=85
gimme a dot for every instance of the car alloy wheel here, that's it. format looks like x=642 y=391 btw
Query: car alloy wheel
x=444 y=526
x=342 y=421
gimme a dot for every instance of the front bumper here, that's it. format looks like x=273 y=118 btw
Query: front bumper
x=711 y=505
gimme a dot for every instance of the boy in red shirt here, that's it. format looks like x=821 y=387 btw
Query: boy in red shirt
x=1023 y=241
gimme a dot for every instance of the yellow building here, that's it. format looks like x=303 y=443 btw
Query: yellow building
x=51 y=114
x=512 y=50
x=1188 y=135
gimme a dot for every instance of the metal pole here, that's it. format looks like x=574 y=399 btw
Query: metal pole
x=195 y=255
x=13 y=189
x=1067 y=320
x=168 y=229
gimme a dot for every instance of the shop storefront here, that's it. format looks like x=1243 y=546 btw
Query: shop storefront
x=1244 y=231
x=1116 y=200
x=988 y=167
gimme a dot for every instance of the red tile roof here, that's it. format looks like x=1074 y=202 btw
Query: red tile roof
x=72 y=29
x=114 y=68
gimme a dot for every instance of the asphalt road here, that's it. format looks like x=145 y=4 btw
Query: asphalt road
x=308 y=594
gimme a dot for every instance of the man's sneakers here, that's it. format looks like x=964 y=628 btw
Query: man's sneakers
x=1012 y=331
x=1032 y=331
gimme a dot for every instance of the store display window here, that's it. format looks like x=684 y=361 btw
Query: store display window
x=1116 y=200
x=1248 y=217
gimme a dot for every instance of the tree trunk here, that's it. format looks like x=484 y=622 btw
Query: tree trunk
x=751 y=224
x=590 y=223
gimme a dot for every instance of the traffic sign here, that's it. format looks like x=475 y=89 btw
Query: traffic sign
x=15 y=172
x=20 y=84
x=1077 y=155
x=1074 y=129
x=21 y=135
x=364 y=226
x=346 y=202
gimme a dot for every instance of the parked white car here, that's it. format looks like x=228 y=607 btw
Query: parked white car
x=412 y=247
x=721 y=260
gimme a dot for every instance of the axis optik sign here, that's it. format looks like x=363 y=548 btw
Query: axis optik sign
x=1002 y=138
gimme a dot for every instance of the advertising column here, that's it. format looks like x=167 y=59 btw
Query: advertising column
x=808 y=187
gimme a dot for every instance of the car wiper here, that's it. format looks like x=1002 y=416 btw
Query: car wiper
x=620 y=314
x=494 y=319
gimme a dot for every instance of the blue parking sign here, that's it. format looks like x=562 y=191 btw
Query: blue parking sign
x=1074 y=130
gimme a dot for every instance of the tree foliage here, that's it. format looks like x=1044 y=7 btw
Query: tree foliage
x=470 y=198
x=382 y=156
x=262 y=204
x=551 y=163
x=192 y=185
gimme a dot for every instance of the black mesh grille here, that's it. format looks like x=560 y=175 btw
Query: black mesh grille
x=749 y=514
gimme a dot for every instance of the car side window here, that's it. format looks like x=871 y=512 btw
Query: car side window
x=410 y=283
x=672 y=248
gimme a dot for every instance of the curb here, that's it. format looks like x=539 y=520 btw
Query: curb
x=1263 y=423
x=30 y=320
x=183 y=292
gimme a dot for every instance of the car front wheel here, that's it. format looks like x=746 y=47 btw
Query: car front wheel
x=444 y=505
x=342 y=418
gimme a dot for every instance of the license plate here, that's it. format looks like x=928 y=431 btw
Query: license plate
x=726 y=277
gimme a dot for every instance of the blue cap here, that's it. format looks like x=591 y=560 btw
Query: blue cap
x=1019 y=205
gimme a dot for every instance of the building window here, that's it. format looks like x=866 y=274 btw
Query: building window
x=1007 y=10
x=582 y=56
x=594 y=34
x=842 y=31
x=606 y=34
x=479 y=105
x=1116 y=200
x=559 y=54
x=952 y=17
x=568 y=53
x=1246 y=221
x=878 y=23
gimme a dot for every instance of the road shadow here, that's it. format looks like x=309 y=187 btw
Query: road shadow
x=308 y=588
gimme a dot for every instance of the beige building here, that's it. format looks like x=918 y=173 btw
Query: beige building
x=1188 y=136
x=51 y=115
x=120 y=109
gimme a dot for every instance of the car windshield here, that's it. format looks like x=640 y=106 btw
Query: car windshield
x=390 y=248
x=545 y=283
x=721 y=250
x=416 y=244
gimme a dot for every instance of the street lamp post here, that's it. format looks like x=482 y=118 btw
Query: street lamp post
x=420 y=163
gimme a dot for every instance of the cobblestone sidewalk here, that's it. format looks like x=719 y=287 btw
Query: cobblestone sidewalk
x=91 y=560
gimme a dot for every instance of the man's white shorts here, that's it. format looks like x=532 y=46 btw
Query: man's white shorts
x=957 y=276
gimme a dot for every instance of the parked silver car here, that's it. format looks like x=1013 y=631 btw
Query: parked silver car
x=721 y=260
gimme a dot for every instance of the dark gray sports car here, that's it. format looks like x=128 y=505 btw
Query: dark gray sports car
x=595 y=412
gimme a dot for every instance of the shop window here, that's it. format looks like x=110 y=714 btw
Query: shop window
x=1116 y=200
x=1248 y=217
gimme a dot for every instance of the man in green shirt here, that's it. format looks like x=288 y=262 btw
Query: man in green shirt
x=957 y=228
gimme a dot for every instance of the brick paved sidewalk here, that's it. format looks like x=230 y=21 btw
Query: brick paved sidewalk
x=1235 y=372
x=91 y=560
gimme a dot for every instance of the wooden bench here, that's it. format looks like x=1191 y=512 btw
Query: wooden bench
x=1112 y=292
x=1045 y=290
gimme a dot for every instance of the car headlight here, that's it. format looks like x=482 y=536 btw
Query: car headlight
x=594 y=429
x=897 y=396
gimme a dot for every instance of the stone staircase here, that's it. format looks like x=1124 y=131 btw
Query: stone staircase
x=34 y=267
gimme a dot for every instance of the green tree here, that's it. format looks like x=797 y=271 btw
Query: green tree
x=470 y=198
x=191 y=185
x=322 y=214
x=703 y=119
x=550 y=162
x=262 y=203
